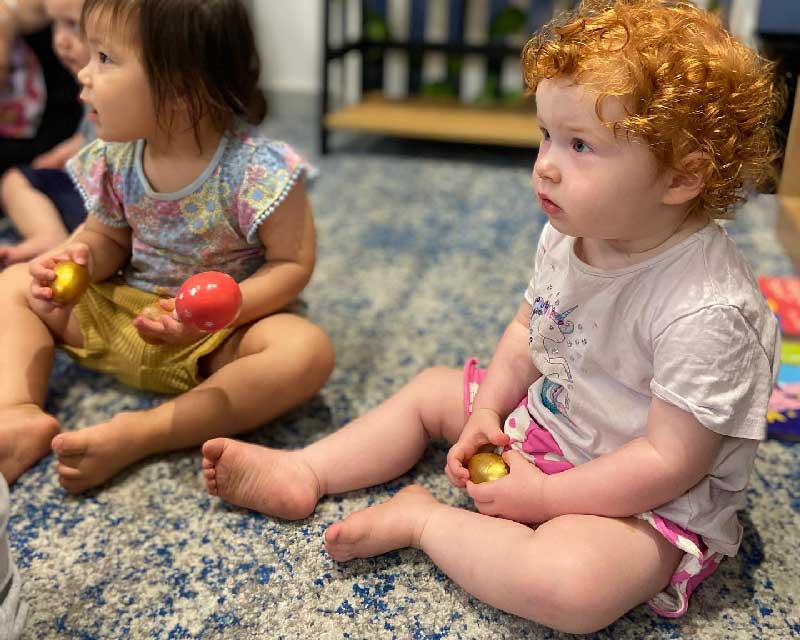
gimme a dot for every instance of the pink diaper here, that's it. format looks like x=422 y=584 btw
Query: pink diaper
x=537 y=445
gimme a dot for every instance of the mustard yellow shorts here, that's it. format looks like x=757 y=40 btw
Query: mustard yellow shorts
x=112 y=345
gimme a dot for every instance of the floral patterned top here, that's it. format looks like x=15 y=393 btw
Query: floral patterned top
x=209 y=225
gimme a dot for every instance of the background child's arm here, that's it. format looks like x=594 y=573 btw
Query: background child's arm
x=28 y=16
x=57 y=157
x=289 y=243
x=24 y=16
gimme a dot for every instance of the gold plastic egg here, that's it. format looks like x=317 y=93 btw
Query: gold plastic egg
x=72 y=279
x=484 y=467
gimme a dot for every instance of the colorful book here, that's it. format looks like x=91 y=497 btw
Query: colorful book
x=790 y=352
x=783 y=415
x=788 y=374
x=783 y=296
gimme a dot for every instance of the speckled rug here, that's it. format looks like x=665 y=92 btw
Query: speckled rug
x=423 y=254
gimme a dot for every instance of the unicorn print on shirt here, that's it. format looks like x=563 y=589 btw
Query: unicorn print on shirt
x=548 y=330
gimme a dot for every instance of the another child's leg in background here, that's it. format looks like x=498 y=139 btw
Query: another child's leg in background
x=377 y=447
x=575 y=573
x=258 y=374
x=34 y=216
x=27 y=348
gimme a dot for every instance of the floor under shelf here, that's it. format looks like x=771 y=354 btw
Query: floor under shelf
x=439 y=120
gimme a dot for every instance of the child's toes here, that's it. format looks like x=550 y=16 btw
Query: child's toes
x=69 y=445
x=213 y=449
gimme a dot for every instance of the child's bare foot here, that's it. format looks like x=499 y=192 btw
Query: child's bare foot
x=277 y=483
x=25 y=434
x=395 y=524
x=88 y=457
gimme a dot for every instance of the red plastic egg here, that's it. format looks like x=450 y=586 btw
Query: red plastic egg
x=209 y=301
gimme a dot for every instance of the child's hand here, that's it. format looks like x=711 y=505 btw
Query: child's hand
x=157 y=325
x=483 y=428
x=42 y=274
x=516 y=496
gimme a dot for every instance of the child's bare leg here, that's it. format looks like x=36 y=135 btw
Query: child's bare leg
x=575 y=573
x=33 y=215
x=260 y=373
x=26 y=343
x=375 y=448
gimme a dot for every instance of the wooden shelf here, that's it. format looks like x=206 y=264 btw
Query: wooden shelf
x=439 y=120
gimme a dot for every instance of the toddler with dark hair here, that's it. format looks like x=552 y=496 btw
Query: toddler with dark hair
x=181 y=180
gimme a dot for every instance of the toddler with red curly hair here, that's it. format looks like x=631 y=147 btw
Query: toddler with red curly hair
x=629 y=392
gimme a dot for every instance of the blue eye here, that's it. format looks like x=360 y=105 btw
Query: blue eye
x=580 y=146
x=102 y=57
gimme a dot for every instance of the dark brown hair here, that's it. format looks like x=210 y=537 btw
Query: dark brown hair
x=200 y=52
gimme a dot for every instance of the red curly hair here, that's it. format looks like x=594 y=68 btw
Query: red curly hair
x=688 y=84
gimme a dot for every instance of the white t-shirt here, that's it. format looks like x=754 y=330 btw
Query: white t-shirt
x=688 y=326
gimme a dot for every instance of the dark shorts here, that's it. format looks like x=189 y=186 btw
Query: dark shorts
x=59 y=188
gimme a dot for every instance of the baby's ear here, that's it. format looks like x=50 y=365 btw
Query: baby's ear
x=688 y=181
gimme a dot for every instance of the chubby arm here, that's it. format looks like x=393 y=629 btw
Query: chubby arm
x=511 y=370
x=675 y=453
x=103 y=249
x=289 y=243
x=510 y=373
x=109 y=248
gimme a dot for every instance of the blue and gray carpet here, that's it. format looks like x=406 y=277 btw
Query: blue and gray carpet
x=423 y=254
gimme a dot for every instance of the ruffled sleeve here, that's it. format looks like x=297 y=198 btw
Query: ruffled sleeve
x=711 y=364
x=274 y=169
x=94 y=177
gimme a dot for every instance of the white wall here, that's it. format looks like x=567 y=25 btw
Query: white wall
x=289 y=36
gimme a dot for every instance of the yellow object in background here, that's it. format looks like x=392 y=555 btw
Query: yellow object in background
x=72 y=280
x=484 y=467
x=790 y=352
